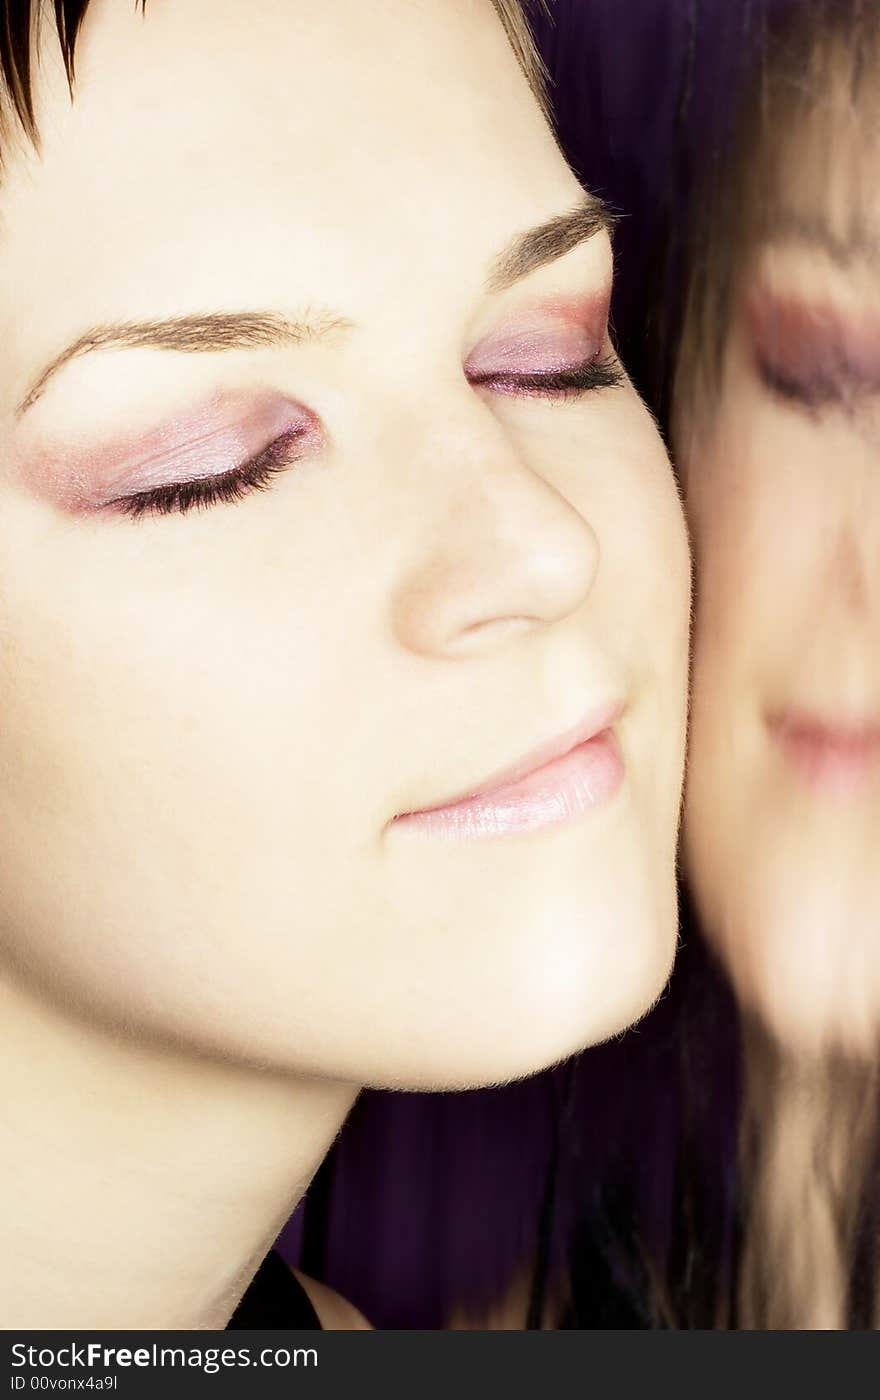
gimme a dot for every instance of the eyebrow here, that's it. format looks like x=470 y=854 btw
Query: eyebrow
x=198 y=334
x=549 y=241
x=210 y=332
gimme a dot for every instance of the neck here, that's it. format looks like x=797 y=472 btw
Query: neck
x=142 y=1186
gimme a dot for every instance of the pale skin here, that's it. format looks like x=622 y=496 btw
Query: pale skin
x=210 y=933
x=783 y=496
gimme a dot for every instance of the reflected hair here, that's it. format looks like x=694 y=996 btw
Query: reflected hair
x=809 y=1231
x=806 y=66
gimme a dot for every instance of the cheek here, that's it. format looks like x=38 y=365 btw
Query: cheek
x=178 y=709
x=639 y=608
x=174 y=812
x=166 y=704
x=763 y=527
x=734 y=524
x=644 y=544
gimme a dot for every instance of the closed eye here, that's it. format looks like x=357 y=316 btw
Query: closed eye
x=199 y=493
x=258 y=473
x=605 y=372
x=812 y=389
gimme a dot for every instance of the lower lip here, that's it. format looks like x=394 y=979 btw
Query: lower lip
x=556 y=795
x=828 y=760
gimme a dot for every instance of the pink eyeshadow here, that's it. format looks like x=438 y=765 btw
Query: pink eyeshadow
x=220 y=434
x=814 y=338
x=550 y=336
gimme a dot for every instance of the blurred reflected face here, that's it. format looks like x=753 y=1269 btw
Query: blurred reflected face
x=343 y=584
x=783 y=492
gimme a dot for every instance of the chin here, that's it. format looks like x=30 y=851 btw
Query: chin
x=800 y=946
x=555 y=1020
x=464 y=967
x=582 y=969
x=806 y=964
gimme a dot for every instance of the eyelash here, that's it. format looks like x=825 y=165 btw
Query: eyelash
x=201 y=493
x=597 y=373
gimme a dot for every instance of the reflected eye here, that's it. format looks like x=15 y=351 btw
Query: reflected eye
x=809 y=387
x=812 y=355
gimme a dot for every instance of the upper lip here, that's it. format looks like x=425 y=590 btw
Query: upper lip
x=594 y=722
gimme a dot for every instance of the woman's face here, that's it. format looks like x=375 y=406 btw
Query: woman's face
x=291 y=237
x=783 y=493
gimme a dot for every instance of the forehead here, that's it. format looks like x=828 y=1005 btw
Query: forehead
x=212 y=149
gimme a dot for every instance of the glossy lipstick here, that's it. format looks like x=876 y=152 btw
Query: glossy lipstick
x=554 y=785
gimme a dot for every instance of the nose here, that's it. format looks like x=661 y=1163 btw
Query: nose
x=501 y=551
x=838 y=654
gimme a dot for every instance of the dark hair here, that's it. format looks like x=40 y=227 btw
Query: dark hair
x=21 y=19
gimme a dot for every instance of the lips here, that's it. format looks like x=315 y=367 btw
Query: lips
x=829 y=755
x=553 y=784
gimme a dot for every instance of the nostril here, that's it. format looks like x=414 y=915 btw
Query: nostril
x=492 y=631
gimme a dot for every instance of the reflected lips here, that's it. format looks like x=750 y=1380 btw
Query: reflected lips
x=553 y=786
x=830 y=757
